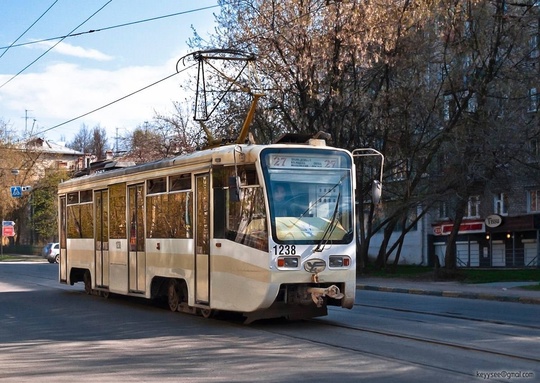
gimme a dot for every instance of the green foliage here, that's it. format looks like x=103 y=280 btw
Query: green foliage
x=45 y=206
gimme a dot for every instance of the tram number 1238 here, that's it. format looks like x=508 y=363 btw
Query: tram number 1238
x=284 y=250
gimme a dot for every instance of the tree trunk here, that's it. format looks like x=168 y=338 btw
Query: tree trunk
x=450 y=256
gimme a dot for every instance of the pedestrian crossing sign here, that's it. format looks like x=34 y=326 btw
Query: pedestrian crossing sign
x=16 y=191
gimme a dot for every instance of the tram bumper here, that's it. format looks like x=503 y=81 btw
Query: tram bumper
x=318 y=293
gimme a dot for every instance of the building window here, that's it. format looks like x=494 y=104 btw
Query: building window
x=533 y=47
x=534 y=201
x=534 y=149
x=472 y=104
x=442 y=210
x=533 y=100
x=453 y=104
x=500 y=204
x=473 y=208
x=449 y=107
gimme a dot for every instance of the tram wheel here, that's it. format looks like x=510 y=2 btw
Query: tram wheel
x=87 y=282
x=207 y=313
x=173 y=295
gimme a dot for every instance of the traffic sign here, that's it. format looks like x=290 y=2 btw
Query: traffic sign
x=8 y=231
x=8 y=223
x=16 y=191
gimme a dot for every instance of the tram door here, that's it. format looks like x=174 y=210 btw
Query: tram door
x=63 y=242
x=202 y=238
x=101 y=246
x=137 y=252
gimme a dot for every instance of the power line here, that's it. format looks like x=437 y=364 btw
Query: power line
x=51 y=48
x=115 y=101
x=111 y=27
x=27 y=29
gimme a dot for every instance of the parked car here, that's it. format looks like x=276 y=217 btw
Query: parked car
x=51 y=252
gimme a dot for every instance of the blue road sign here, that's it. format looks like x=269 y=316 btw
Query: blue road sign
x=16 y=191
x=8 y=223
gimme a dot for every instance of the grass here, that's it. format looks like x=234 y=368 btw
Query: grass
x=17 y=257
x=531 y=287
x=465 y=275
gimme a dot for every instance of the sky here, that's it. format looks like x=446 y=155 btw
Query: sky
x=79 y=74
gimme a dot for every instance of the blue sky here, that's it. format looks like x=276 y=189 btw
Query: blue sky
x=85 y=72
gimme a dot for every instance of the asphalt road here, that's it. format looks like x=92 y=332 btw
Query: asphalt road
x=55 y=333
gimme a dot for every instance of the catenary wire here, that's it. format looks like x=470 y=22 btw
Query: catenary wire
x=27 y=29
x=115 y=101
x=52 y=47
x=141 y=89
x=111 y=27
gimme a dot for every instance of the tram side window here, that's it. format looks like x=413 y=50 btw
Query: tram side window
x=180 y=214
x=157 y=185
x=169 y=215
x=180 y=206
x=117 y=211
x=86 y=196
x=80 y=220
x=240 y=217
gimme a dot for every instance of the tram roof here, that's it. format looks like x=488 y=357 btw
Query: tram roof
x=222 y=155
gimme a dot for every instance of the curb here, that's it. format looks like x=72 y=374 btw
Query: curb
x=450 y=294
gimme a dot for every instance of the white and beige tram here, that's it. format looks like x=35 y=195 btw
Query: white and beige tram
x=263 y=230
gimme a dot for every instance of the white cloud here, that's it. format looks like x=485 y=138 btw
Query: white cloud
x=72 y=50
x=65 y=91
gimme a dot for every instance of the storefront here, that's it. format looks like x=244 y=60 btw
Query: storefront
x=495 y=241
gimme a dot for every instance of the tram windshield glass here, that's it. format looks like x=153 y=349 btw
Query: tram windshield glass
x=309 y=194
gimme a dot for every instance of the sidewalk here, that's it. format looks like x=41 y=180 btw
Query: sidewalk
x=500 y=291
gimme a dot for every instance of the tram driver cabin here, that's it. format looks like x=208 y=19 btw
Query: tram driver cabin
x=204 y=232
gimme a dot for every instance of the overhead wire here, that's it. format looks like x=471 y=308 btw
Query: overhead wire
x=53 y=46
x=71 y=34
x=154 y=83
x=27 y=29
x=112 y=27
x=115 y=101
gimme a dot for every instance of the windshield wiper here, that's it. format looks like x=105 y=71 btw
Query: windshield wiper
x=330 y=227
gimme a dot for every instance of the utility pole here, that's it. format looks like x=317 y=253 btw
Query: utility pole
x=26 y=117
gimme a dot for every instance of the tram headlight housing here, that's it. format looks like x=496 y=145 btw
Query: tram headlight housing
x=288 y=262
x=339 y=261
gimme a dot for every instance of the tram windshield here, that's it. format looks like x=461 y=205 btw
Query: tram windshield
x=309 y=194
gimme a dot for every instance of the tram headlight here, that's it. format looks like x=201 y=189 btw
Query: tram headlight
x=339 y=261
x=288 y=262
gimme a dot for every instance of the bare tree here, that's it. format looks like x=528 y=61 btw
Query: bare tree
x=433 y=85
x=82 y=141
x=90 y=141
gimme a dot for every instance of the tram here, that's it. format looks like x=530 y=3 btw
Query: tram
x=262 y=230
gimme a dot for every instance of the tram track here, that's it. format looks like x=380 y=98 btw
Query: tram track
x=434 y=342
x=369 y=353
x=448 y=315
x=407 y=348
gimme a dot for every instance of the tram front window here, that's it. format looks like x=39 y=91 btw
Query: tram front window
x=310 y=204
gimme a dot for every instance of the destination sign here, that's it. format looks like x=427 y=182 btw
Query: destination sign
x=298 y=161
